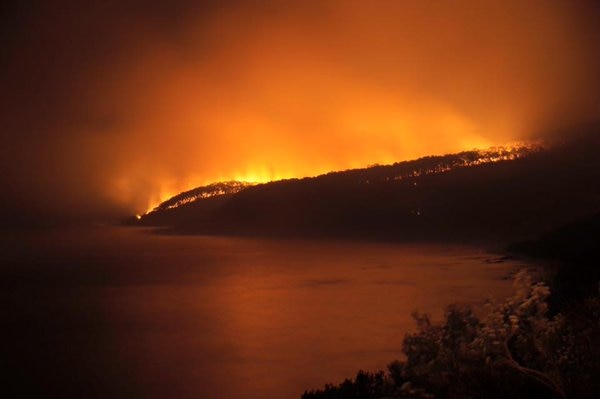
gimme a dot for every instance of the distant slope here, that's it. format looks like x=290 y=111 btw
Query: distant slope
x=200 y=193
x=500 y=194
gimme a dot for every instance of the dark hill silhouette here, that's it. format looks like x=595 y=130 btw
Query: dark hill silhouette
x=500 y=194
x=204 y=192
x=573 y=249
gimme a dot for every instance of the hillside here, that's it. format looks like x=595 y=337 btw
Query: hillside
x=499 y=194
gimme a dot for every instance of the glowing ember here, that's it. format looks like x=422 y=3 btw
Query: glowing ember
x=474 y=158
x=204 y=192
x=440 y=164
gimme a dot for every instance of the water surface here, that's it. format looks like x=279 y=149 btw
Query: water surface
x=117 y=312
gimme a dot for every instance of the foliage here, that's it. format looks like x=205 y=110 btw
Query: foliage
x=365 y=385
x=515 y=350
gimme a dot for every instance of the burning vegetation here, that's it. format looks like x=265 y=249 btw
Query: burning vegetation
x=396 y=172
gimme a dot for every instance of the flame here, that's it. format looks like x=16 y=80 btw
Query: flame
x=476 y=157
x=169 y=188
x=258 y=91
x=508 y=152
x=300 y=98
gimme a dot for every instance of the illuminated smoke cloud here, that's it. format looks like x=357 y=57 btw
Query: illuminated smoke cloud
x=115 y=106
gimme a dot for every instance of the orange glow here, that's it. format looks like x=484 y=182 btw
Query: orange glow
x=264 y=91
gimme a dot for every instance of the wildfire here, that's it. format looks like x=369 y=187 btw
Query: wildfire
x=168 y=200
x=204 y=192
x=509 y=152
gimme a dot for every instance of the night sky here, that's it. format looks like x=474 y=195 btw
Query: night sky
x=109 y=106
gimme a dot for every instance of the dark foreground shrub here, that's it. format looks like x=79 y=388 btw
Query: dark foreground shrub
x=364 y=385
x=514 y=351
